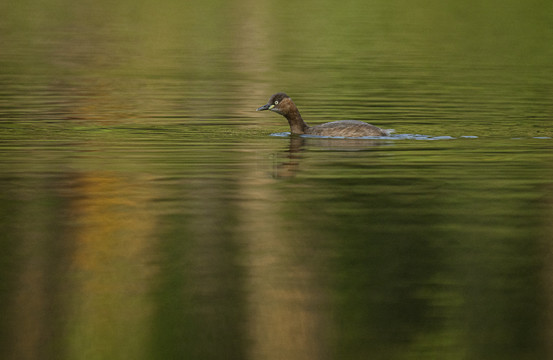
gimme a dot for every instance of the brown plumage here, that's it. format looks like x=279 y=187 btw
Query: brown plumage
x=283 y=105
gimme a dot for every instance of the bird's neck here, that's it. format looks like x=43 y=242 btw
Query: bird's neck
x=297 y=125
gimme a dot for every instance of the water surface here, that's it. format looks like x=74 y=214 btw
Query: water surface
x=146 y=211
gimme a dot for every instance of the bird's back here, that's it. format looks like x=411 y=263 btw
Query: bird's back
x=346 y=128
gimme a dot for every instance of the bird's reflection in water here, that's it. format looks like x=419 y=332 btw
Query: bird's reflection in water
x=289 y=167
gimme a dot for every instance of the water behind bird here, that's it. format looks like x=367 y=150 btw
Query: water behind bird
x=146 y=213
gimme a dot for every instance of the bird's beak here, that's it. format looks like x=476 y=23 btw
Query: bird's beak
x=265 y=107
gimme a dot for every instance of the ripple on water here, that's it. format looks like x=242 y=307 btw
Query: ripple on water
x=389 y=137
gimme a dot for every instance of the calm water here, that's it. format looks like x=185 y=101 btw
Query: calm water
x=146 y=212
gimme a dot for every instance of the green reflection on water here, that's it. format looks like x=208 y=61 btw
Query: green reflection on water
x=146 y=213
x=428 y=266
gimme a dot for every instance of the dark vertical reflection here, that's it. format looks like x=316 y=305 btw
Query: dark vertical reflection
x=199 y=305
x=381 y=273
x=417 y=275
x=547 y=275
x=33 y=270
x=9 y=265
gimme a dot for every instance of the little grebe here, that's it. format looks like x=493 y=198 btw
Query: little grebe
x=282 y=104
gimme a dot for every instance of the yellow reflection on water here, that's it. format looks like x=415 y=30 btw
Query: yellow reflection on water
x=286 y=316
x=108 y=309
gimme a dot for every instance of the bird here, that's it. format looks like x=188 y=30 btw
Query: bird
x=283 y=105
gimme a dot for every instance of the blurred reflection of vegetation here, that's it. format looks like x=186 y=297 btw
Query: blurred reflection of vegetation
x=398 y=250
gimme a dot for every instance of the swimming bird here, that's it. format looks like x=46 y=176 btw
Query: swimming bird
x=283 y=105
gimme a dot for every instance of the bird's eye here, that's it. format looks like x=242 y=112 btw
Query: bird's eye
x=276 y=102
